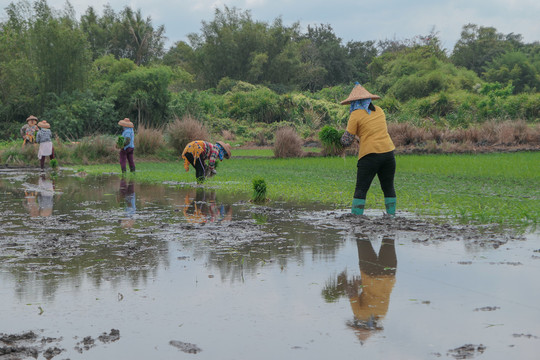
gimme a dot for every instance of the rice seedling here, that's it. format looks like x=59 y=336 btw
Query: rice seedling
x=259 y=190
x=331 y=140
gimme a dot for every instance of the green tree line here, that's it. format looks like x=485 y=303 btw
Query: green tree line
x=83 y=74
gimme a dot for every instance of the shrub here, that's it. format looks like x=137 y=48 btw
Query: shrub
x=148 y=140
x=183 y=131
x=331 y=140
x=287 y=143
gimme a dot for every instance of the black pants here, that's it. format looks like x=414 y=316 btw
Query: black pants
x=384 y=263
x=382 y=165
x=198 y=165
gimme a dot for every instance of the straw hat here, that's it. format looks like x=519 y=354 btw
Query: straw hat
x=227 y=148
x=44 y=124
x=32 y=117
x=359 y=93
x=125 y=123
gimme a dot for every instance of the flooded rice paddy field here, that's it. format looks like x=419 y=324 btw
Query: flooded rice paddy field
x=106 y=268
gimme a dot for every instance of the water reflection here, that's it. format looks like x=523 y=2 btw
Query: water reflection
x=201 y=207
x=40 y=201
x=369 y=293
x=127 y=194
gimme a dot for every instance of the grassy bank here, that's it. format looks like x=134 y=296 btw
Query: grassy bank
x=483 y=189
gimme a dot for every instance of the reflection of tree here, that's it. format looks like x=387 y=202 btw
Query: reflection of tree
x=369 y=294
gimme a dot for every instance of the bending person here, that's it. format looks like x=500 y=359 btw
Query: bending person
x=202 y=155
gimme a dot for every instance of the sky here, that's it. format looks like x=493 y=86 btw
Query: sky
x=352 y=20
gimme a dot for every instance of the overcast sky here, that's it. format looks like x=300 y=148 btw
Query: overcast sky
x=351 y=19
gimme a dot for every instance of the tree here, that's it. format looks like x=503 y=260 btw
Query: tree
x=180 y=54
x=360 y=55
x=515 y=68
x=143 y=94
x=233 y=45
x=479 y=45
x=328 y=53
x=59 y=50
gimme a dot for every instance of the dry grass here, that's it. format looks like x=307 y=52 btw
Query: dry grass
x=228 y=135
x=95 y=149
x=491 y=133
x=181 y=132
x=148 y=140
x=404 y=134
x=287 y=143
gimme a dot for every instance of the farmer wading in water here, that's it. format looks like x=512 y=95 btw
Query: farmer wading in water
x=126 y=152
x=196 y=152
x=376 y=155
x=44 y=139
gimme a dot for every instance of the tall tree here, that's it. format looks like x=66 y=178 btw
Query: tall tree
x=328 y=53
x=515 y=68
x=361 y=54
x=479 y=45
x=59 y=50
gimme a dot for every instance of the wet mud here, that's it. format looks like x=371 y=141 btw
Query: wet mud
x=178 y=262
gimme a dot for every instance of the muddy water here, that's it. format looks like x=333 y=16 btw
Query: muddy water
x=101 y=268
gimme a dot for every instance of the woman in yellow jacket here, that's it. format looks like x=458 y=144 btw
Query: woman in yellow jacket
x=376 y=155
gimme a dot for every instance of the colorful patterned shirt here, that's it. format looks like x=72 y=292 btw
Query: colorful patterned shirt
x=203 y=150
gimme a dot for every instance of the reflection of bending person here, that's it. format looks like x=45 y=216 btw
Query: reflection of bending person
x=127 y=191
x=378 y=275
x=204 y=208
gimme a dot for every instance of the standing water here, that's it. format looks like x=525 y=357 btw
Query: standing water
x=106 y=268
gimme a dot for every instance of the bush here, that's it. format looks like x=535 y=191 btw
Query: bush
x=148 y=140
x=287 y=143
x=181 y=132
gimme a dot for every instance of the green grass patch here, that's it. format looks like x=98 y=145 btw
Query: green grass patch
x=265 y=152
x=481 y=189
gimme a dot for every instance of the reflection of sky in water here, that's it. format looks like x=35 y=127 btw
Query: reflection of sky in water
x=264 y=296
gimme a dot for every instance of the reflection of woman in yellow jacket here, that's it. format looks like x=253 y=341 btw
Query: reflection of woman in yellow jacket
x=369 y=295
x=378 y=276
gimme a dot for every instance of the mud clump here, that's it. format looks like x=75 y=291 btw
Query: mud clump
x=12 y=338
x=185 y=347
x=18 y=352
x=466 y=351
x=52 y=352
x=429 y=233
x=26 y=345
x=113 y=336
x=86 y=344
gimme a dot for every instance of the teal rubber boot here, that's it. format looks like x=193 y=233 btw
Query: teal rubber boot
x=390 y=204
x=358 y=206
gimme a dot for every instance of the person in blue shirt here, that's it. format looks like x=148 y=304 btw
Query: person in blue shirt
x=126 y=153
